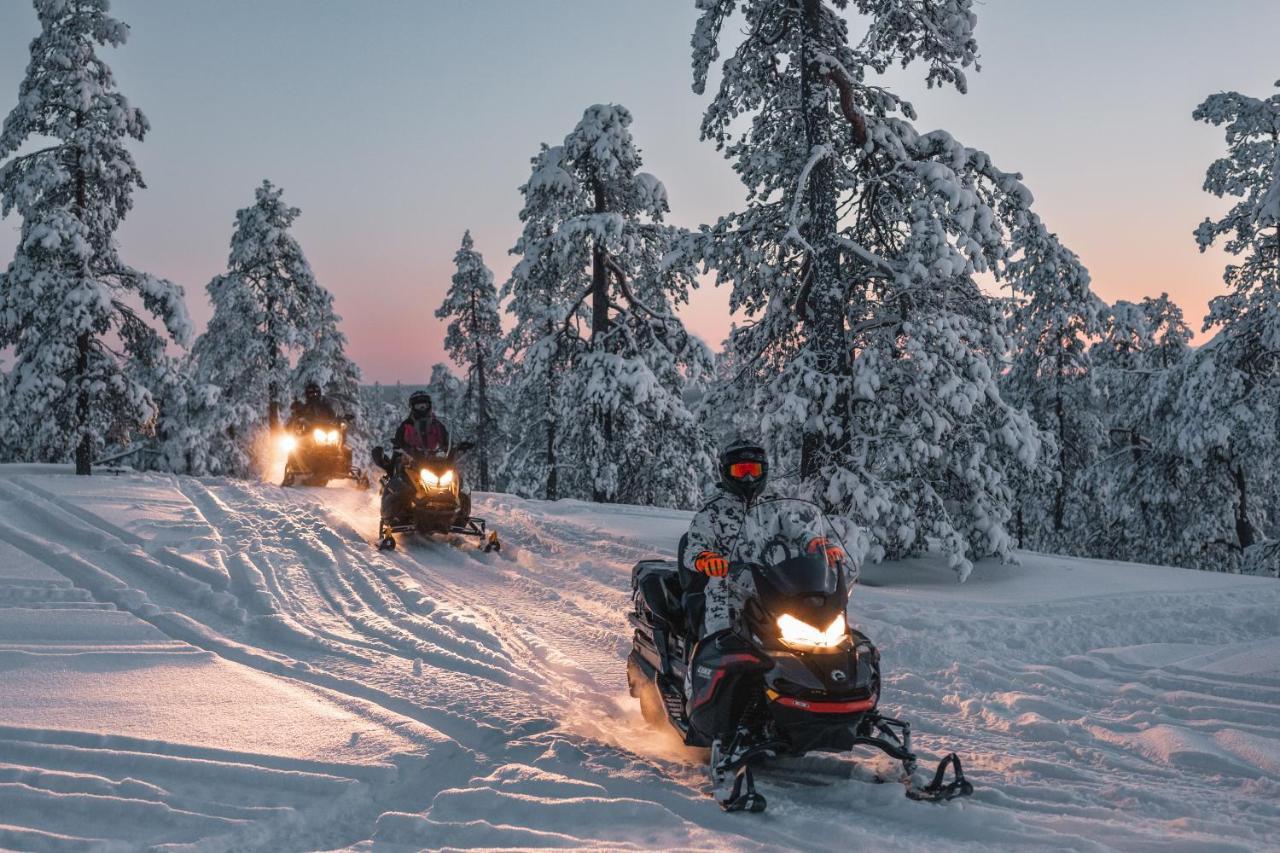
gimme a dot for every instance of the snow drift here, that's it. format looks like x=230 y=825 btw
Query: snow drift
x=232 y=664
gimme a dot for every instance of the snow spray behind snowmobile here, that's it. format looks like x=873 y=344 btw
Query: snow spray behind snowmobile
x=318 y=453
x=792 y=676
x=423 y=493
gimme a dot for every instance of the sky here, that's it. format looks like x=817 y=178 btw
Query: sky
x=397 y=125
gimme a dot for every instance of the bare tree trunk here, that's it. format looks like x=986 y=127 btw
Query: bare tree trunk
x=1060 y=497
x=482 y=418
x=553 y=485
x=824 y=310
x=1244 y=527
x=84 y=449
x=273 y=388
x=600 y=322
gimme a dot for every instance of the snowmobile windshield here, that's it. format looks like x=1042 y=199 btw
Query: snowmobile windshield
x=791 y=543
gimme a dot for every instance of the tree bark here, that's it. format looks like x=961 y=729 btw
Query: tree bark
x=84 y=448
x=600 y=321
x=273 y=350
x=482 y=425
x=1244 y=527
x=825 y=307
x=552 y=488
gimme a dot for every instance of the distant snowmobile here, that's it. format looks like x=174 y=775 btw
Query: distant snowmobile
x=423 y=493
x=791 y=677
x=318 y=453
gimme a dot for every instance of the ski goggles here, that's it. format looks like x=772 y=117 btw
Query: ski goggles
x=421 y=407
x=746 y=470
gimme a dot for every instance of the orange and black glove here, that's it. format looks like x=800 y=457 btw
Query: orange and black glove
x=834 y=553
x=711 y=564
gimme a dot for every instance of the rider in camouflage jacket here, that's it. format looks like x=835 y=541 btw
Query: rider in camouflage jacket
x=744 y=470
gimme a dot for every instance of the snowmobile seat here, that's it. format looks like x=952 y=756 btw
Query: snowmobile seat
x=693 y=599
x=659 y=584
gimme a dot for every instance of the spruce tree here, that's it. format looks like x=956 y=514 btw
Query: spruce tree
x=594 y=228
x=856 y=260
x=1055 y=318
x=1230 y=392
x=75 y=314
x=474 y=339
x=268 y=310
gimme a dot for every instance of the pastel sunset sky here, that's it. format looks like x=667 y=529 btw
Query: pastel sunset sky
x=396 y=125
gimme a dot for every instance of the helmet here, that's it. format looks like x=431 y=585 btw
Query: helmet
x=312 y=390
x=744 y=468
x=420 y=401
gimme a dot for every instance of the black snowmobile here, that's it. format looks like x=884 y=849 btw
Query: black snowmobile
x=791 y=676
x=424 y=494
x=318 y=453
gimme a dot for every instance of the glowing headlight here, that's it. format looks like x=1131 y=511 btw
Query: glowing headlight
x=804 y=636
x=333 y=436
x=320 y=436
x=288 y=443
x=431 y=481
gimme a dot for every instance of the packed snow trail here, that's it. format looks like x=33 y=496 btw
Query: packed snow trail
x=235 y=664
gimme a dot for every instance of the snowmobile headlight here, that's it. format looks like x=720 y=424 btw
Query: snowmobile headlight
x=802 y=635
x=333 y=436
x=446 y=479
x=429 y=479
x=320 y=436
x=288 y=443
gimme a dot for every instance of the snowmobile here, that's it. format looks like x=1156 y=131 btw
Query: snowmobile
x=318 y=453
x=439 y=504
x=791 y=676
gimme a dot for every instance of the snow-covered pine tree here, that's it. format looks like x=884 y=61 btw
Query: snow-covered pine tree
x=540 y=295
x=474 y=339
x=855 y=261
x=1230 y=394
x=1141 y=482
x=624 y=432
x=383 y=409
x=6 y=454
x=267 y=308
x=323 y=360
x=1055 y=318
x=69 y=306
x=447 y=396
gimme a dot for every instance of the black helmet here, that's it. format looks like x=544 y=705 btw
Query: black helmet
x=744 y=468
x=312 y=390
x=420 y=401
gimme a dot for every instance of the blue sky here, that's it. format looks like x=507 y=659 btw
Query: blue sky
x=397 y=125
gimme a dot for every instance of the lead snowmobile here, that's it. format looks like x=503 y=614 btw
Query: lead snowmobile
x=791 y=676
x=423 y=493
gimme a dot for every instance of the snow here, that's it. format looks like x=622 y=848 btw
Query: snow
x=232 y=665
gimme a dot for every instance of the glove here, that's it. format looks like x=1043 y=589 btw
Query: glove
x=711 y=564
x=834 y=553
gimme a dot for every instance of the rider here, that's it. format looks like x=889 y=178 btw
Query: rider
x=314 y=408
x=744 y=471
x=420 y=434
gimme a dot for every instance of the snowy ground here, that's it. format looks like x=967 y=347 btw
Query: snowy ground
x=234 y=666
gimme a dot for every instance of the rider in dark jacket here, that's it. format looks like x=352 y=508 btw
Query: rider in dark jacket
x=420 y=434
x=313 y=409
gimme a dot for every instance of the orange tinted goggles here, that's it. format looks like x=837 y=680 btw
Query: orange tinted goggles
x=743 y=470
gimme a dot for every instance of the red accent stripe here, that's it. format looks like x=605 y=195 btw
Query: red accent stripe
x=828 y=707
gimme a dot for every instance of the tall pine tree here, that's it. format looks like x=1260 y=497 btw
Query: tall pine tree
x=595 y=221
x=69 y=306
x=474 y=339
x=1229 y=395
x=268 y=309
x=856 y=260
